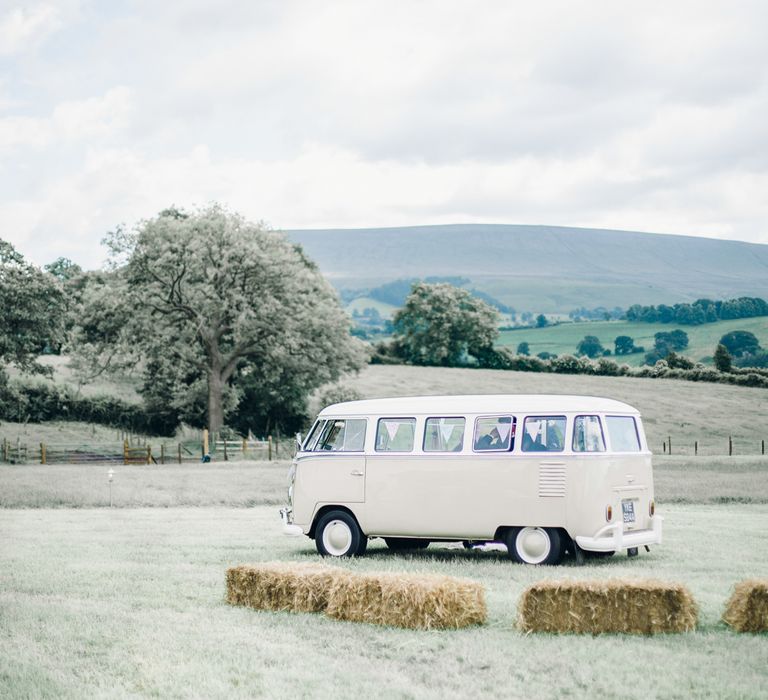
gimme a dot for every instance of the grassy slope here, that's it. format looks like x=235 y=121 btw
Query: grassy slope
x=687 y=411
x=131 y=602
x=564 y=338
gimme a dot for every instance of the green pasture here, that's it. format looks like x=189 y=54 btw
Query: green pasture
x=130 y=602
x=563 y=339
x=362 y=303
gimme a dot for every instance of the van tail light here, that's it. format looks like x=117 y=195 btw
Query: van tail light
x=651 y=508
x=608 y=513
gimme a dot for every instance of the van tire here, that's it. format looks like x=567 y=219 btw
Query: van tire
x=338 y=535
x=534 y=545
x=398 y=544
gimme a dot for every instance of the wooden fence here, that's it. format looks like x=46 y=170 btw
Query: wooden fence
x=182 y=452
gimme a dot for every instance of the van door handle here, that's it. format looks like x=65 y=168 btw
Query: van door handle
x=355 y=472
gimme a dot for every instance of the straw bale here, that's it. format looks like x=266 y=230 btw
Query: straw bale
x=413 y=601
x=747 y=608
x=280 y=586
x=610 y=606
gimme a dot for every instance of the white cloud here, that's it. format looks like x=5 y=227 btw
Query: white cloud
x=70 y=121
x=24 y=27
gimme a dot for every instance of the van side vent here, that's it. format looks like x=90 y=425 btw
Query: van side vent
x=552 y=480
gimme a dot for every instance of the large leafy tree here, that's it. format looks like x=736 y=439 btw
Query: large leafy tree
x=209 y=303
x=739 y=343
x=440 y=324
x=31 y=311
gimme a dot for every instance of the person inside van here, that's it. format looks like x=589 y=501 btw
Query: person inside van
x=489 y=441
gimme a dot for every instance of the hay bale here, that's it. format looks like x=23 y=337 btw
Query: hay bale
x=611 y=606
x=280 y=586
x=408 y=600
x=747 y=608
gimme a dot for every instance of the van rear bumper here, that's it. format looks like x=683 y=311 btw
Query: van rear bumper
x=613 y=537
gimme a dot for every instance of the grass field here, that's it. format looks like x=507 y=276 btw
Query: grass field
x=563 y=339
x=130 y=602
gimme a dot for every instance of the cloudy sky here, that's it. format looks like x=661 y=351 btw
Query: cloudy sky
x=645 y=116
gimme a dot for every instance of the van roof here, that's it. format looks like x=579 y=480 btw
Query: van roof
x=478 y=404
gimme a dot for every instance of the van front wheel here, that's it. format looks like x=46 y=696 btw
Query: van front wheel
x=338 y=535
x=534 y=545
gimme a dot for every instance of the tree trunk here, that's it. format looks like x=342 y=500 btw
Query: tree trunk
x=215 y=396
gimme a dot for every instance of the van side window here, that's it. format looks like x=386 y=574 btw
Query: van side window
x=494 y=433
x=309 y=443
x=342 y=436
x=395 y=434
x=444 y=434
x=544 y=434
x=623 y=433
x=588 y=434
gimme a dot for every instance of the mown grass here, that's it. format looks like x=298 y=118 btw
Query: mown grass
x=131 y=602
x=686 y=411
x=563 y=339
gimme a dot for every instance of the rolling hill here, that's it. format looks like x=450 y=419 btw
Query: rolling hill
x=546 y=269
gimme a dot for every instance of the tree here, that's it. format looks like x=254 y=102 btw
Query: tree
x=440 y=324
x=624 y=345
x=523 y=349
x=722 y=358
x=541 y=321
x=32 y=311
x=740 y=343
x=590 y=346
x=208 y=302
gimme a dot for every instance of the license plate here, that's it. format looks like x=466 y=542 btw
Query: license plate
x=628 y=511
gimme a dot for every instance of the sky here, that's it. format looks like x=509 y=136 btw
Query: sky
x=323 y=114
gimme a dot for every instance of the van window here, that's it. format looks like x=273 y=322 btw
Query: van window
x=544 y=434
x=623 y=433
x=494 y=433
x=444 y=434
x=588 y=434
x=395 y=434
x=313 y=435
x=342 y=436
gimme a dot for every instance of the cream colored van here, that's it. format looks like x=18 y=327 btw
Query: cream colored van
x=537 y=473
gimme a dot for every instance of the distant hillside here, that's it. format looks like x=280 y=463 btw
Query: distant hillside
x=546 y=269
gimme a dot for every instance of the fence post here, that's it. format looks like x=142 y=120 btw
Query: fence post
x=696 y=447
x=245 y=446
x=762 y=446
x=269 y=444
x=125 y=451
x=149 y=453
x=162 y=453
x=664 y=446
x=669 y=439
x=179 y=453
x=226 y=458
x=730 y=446
x=42 y=453
x=205 y=442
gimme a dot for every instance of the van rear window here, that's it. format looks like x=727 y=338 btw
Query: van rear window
x=622 y=432
x=395 y=434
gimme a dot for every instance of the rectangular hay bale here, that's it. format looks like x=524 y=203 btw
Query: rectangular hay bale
x=280 y=586
x=607 y=607
x=414 y=601
x=747 y=608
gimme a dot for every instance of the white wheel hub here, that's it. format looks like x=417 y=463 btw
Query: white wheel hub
x=533 y=545
x=337 y=538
